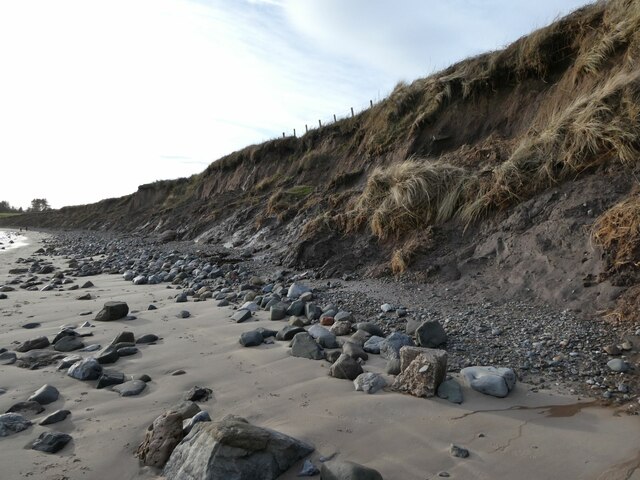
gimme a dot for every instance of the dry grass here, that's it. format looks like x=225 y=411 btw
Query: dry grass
x=416 y=243
x=617 y=232
x=408 y=196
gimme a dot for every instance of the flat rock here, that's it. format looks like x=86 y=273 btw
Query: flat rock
x=68 y=344
x=241 y=316
x=45 y=395
x=497 y=382
x=8 y=358
x=109 y=378
x=345 y=368
x=288 y=332
x=343 y=470
x=67 y=361
x=390 y=347
x=55 y=417
x=51 y=442
x=33 y=344
x=305 y=346
x=112 y=311
x=12 y=423
x=373 y=345
x=127 y=351
x=30 y=407
x=233 y=449
x=422 y=370
x=618 y=365
x=147 y=338
x=31 y=325
x=450 y=390
x=369 y=382
x=130 y=388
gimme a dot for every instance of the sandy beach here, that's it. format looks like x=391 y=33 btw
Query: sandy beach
x=526 y=435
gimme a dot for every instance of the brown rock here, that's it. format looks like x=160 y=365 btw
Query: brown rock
x=326 y=321
x=162 y=436
x=422 y=370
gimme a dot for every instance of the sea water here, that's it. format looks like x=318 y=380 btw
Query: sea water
x=11 y=239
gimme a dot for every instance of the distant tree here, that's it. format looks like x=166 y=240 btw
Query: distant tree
x=5 y=207
x=39 y=205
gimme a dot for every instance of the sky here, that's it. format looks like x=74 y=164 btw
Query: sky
x=100 y=96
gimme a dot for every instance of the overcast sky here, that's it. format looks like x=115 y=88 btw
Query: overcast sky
x=100 y=96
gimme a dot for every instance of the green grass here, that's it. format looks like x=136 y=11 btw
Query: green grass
x=8 y=214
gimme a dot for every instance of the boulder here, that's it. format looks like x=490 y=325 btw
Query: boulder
x=345 y=368
x=68 y=344
x=450 y=390
x=355 y=351
x=430 y=334
x=112 y=311
x=373 y=345
x=341 y=327
x=497 y=382
x=343 y=470
x=390 y=347
x=233 y=449
x=422 y=370
x=33 y=344
x=12 y=423
x=369 y=382
x=251 y=339
x=162 y=436
x=87 y=369
x=241 y=316
x=45 y=395
x=304 y=345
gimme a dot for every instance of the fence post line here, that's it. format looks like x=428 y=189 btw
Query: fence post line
x=334 y=118
x=282 y=134
x=351 y=112
x=306 y=128
x=294 y=132
x=371 y=103
x=319 y=123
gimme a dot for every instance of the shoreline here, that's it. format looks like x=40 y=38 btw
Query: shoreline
x=401 y=436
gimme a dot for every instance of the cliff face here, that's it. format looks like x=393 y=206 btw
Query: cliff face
x=441 y=164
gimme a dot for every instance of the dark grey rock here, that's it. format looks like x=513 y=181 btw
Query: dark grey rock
x=68 y=344
x=232 y=449
x=108 y=355
x=12 y=423
x=69 y=360
x=202 y=416
x=343 y=470
x=198 y=394
x=343 y=316
x=123 y=337
x=31 y=325
x=345 y=368
x=393 y=366
x=430 y=334
x=370 y=328
x=160 y=439
x=109 y=378
x=304 y=345
x=373 y=345
x=288 y=332
x=450 y=390
x=55 y=417
x=45 y=395
x=278 y=312
x=296 y=308
x=112 y=311
x=130 y=388
x=308 y=469
x=87 y=369
x=458 y=452
x=390 y=347
x=148 y=338
x=184 y=314
x=31 y=407
x=127 y=351
x=33 y=344
x=8 y=358
x=312 y=311
x=51 y=442
x=241 y=316
x=251 y=339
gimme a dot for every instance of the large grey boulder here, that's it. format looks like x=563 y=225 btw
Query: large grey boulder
x=12 y=423
x=497 y=382
x=303 y=345
x=430 y=334
x=297 y=289
x=390 y=347
x=345 y=368
x=422 y=370
x=112 y=311
x=343 y=470
x=233 y=449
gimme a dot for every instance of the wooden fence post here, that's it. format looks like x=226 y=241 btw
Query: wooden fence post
x=351 y=112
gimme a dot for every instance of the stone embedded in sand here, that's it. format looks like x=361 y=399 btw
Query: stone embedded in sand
x=68 y=344
x=198 y=394
x=345 y=368
x=450 y=390
x=112 y=311
x=251 y=339
x=33 y=344
x=130 y=388
x=497 y=382
x=45 y=395
x=51 y=442
x=109 y=378
x=12 y=423
x=369 y=382
x=312 y=311
x=278 y=312
x=55 y=417
x=7 y=358
x=27 y=407
x=234 y=449
x=343 y=470
x=459 y=452
x=422 y=370
x=430 y=334
x=148 y=338
x=304 y=345
x=241 y=316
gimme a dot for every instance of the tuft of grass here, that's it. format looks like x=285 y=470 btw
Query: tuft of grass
x=416 y=243
x=617 y=232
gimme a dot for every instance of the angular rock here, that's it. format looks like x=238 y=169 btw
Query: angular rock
x=345 y=368
x=30 y=406
x=369 y=382
x=355 y=351
x=112 y=311
x=390 y=347
x=296 y=308
x=324 y=337
x=66 y=362
x=241 y=316
x=202 y=416
x=304 y=345
x=68 y=344
x=277 y=312
x=45 y=395
x=422 y=370
x=497 y=382
x=123 y=337
x=33 y=344
x=360 y=337
x=251 y=339
x=108 y=355
x=312 y=311
x=55 y=417
x=198 y=394
x=373 y=345
x=343 y=470
x=87 y=369
x=341 y=327
x=186 y=409
x=109 y=378
x=370 y=328
x=233 y=449
x=51 y=442
x=458 y=452
x=288 y=332
x=12 y=423
x=430 y=334
x=297 y=289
